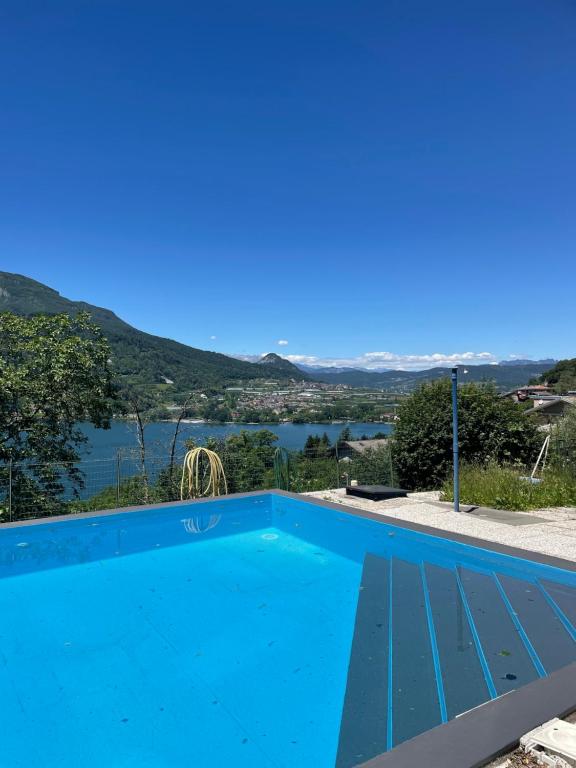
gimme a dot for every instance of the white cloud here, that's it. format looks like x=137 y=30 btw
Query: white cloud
x=213 y=338
x=282 y=342
x=379 y=360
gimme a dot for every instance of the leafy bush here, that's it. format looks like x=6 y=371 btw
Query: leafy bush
x=491 y=428
x=501 y=487
x=373 y=466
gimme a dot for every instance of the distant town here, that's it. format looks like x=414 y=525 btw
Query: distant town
x=297 y=402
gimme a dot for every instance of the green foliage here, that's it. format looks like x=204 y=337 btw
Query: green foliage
x=491 y=428
x=158 y=413
x=282 y=469
x=562 y=454
x=313 y=473
x=491 y=485
x=248 y=459
x=562 y=376
x=345 y=435
x=318 y=446
x=139 y=360
x=54 y=373
x=261 y=416
x=373 y=466
x=216 y=412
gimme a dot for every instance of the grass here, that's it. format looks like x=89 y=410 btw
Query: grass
x=503 y=488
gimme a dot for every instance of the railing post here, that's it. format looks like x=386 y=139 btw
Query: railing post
x=118 y=458
x=455 y=439
x=337 y=465
x=10 y=490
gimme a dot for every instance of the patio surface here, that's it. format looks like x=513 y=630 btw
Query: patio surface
x=548 y=531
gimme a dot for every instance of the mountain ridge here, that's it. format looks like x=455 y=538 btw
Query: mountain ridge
x=139 y=359
x=503 y=377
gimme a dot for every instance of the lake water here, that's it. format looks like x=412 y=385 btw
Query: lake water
x=104 y=444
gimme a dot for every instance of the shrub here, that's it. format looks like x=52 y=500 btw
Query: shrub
x=563 y=443
x=373 y=466
x=503 y=487
x=491 y=428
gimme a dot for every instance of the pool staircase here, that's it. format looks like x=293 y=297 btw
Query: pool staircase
x=432 y=642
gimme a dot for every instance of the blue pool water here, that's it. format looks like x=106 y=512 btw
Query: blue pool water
x=262 y=631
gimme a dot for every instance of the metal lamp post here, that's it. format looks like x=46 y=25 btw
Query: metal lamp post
x=455 y=439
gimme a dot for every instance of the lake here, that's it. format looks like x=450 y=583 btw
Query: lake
x=104 y=444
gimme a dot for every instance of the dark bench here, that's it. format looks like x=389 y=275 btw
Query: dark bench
x=375 y=492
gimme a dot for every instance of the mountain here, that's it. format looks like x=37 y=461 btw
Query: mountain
x=149 y=363
x=337 y=369
x=549 y=362
x=278 y=367
x=503 y=377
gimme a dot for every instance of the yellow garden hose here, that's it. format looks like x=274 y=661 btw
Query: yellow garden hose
x=200 y=483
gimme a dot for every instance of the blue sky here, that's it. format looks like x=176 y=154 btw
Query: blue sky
x=350 y=177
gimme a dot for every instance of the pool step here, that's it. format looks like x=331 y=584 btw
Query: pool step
x=431 y=642
x=364 y=724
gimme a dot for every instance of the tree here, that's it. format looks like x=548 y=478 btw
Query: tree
x=491 y=428
x=248 y=459
x=344 y=436
x=317 y=446
x=54 y=373
x=217 y=412
x=138 y=404
x=183 y=413
x=562 y=377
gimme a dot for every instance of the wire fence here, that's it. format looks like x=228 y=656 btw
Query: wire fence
x=33 y=490
x=562 y=455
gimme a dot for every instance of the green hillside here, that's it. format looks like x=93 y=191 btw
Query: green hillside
x=149 y=363
x=562 y=376
x=275 y=366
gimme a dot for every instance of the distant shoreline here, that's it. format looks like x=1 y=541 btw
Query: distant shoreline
x=130 y=418
x=265 y=423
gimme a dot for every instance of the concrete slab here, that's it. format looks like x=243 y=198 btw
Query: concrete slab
x=505 y=516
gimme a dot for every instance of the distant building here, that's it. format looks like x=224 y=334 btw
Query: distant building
x=349 y=449
x=521 y=394
x=549 y=411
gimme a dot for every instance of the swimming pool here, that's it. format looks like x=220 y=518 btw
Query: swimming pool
x=260 y=630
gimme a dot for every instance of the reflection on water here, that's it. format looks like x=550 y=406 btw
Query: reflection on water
x=200 y=523
x=82 y=540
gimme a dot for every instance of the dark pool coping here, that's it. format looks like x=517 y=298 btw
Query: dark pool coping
x=473 y=738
